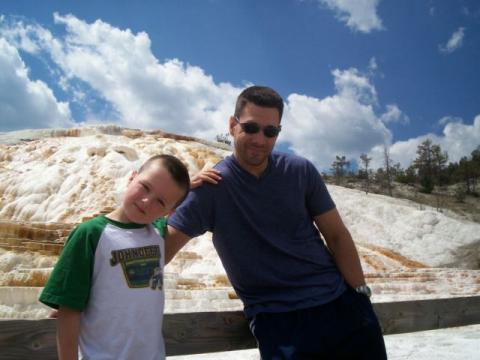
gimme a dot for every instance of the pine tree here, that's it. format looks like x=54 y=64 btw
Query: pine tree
x=338 y=167
x=429 y=164
x=476 y=168
x=468 y=170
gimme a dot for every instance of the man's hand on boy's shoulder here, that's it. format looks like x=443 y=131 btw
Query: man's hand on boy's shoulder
x=208 y=175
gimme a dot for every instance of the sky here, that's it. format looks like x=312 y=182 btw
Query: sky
x=355 y=75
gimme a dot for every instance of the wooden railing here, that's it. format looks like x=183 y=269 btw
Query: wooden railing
x=203 y=332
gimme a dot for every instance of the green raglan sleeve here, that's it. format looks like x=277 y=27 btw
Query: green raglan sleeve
x=161 y=224
x=70 y=281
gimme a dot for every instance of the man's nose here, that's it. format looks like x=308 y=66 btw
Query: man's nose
x=259 y=137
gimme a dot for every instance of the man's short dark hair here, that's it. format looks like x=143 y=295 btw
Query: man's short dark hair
x=260 y=96
x=176 y=169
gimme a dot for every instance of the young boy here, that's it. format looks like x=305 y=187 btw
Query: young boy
x=108 y=281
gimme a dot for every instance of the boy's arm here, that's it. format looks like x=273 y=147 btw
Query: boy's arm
x=68 y=328
x=208 y=175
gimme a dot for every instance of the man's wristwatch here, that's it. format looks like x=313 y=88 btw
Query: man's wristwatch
x=364 y=290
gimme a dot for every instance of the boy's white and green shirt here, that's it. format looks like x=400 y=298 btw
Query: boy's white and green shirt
x=113 y=273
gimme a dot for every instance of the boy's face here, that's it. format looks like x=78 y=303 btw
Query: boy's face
x=150 y=194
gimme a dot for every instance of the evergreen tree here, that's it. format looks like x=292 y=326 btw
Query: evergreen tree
x=429 y=163
x=476 y=168
x=468 y=170
x=338 y=167
x=407 y=176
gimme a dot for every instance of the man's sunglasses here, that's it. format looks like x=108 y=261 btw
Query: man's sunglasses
x=251 y=127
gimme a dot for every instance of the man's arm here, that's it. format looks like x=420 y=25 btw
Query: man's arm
x=341 y=245
x=174 y=241
x=68 y=329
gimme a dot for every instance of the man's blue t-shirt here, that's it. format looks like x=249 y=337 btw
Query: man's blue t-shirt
x=264 y=234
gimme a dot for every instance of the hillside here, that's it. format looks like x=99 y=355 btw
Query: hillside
x=443 y=199
x=51 y=180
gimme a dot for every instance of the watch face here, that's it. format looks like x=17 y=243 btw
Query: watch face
x=365 y=290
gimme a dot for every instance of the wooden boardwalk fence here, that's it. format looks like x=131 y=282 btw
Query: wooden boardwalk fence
x=203 y=332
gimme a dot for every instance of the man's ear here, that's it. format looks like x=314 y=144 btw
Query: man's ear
x=232 y=123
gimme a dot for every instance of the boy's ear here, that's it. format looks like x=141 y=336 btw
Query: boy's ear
x=132 y=176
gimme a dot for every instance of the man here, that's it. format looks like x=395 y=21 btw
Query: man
x=303 y=299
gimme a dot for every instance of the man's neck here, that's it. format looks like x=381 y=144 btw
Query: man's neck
x=254 y=170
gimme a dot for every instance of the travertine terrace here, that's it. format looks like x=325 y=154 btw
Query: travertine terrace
x=51 y=180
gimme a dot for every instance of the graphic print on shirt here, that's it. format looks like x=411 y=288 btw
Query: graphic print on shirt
x=141 y=266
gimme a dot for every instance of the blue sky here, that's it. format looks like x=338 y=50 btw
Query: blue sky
x=355 y=74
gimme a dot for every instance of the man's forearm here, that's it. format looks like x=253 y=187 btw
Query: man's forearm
x=347 y=259
x=341 y=245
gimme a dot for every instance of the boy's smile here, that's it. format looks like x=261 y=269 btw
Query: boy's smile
x=150 y=194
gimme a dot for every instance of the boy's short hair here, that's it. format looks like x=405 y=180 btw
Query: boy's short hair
x=176 y=169
x=263 y=96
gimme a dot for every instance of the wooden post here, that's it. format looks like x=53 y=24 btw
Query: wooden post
x=410 y=316
x=202 y=332
x=28 y=339
x=194 y=333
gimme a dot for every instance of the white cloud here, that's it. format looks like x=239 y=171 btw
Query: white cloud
x=455 y=41
x=25 y=103
x=394 y=115
x=342 y=124
x=458 y=140
x=359 y=15
x=27 y=36
x=449 y=119
x=120 y=67
x=178 y=97
x=372 y=65
x=352 y=84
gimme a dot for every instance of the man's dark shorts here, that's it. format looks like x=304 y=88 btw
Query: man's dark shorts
x=346 y=328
